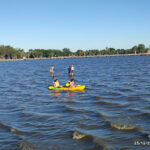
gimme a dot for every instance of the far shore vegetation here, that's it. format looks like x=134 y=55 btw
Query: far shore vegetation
x=9 y=52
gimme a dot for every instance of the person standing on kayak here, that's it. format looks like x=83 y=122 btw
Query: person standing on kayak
x=56 y=83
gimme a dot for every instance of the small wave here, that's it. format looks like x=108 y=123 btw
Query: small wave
x=75 y=110
x=13 y=130
x=126 y=90
x=115 y=94
x=98 y=143
x=24 y=145
x=11 y=91
x=102 y=115
x=70 y=109
x=148 y=107
x=91 y=127
x=103 y=103
x=102 y=143
x=100 y=97
x=118 y=106
x=146 y=114
x=122 y=126
x=2 y=125
x=122 y=106
x=140 y=113
x=77 y=135
x=112 y=105
x=17 y=131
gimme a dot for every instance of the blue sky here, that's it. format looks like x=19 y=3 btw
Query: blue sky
x=74 y=24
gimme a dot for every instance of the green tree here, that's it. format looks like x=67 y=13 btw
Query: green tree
x=134 y=49
x=80 y=52
x=37 y=53
x=141 y=48
x=67 y=52
x=103 y=52
x=57 y=53
x=7 y=52
x=110 y=51
x=20 y=53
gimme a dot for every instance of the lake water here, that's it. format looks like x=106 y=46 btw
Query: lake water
x=113 y=113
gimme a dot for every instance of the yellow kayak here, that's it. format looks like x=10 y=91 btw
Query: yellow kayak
x=77 y=88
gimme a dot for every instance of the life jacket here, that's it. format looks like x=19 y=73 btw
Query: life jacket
x=56 y=84
x=71 y=83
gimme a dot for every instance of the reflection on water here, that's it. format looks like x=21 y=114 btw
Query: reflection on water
x=52 y=75
x=112 y=113
x=70 y=94
x=71 y=75
x=56 y=93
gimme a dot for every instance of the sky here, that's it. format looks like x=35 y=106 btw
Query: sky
x=74 y=24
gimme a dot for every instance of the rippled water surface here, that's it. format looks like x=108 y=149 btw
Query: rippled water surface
x=112 y=113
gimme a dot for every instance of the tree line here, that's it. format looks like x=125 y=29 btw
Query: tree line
x=9 y=52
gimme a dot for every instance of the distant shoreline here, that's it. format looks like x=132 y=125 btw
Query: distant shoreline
x=67 y=57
